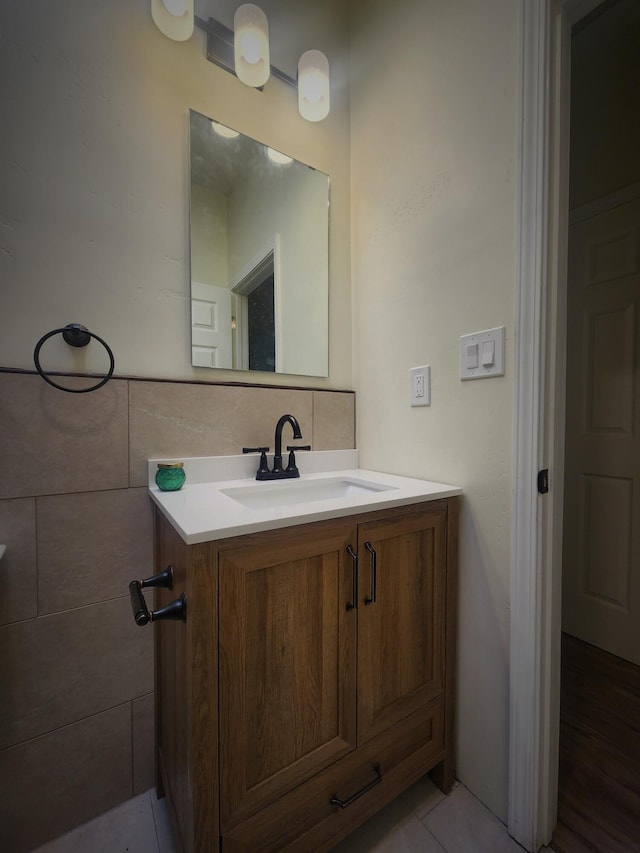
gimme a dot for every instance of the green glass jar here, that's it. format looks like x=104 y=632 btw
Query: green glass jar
x=170 y=476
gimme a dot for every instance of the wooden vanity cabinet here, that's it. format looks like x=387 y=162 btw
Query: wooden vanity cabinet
x=312 y=680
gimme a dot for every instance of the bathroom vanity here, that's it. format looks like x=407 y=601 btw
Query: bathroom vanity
x=313 y=677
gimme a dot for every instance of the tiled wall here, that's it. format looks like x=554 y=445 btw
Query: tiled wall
x=76 y=673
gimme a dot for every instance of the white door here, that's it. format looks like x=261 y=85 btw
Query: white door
x=601 y=551
x=210 y=325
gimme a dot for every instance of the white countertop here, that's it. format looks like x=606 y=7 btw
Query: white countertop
x=201 y=512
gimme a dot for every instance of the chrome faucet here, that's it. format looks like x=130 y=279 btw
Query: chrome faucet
x=278 y=472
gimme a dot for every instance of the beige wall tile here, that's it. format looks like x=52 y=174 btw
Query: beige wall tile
x=176 y=420
x=54 y=442
x=50 y=784
x=333 y=420
x=57 y=669
x=18 y=566
x=143 y=720
x=91 y=545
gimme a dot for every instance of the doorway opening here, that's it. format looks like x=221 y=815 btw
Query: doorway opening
x=261 y=326
x=256 y=302
x=599 y=761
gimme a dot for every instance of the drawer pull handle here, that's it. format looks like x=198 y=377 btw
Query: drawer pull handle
x=351 y=605
x=336 y=801
x=374 y=573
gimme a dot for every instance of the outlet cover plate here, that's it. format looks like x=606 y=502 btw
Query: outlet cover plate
x=421 y=385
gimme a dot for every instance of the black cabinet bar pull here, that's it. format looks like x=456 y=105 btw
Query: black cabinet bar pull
x=374 y=573
x=351 y=605
x=336 y=801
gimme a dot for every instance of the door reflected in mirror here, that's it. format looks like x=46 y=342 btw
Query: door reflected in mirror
x=259 y=256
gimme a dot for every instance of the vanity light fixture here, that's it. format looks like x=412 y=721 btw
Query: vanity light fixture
x=174 y=18
x=245 y=52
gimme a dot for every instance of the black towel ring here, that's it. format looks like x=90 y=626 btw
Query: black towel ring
x=76 y=336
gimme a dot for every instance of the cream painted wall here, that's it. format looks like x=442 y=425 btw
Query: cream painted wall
x=433 y=132
x=209 y=245
x=94 y=218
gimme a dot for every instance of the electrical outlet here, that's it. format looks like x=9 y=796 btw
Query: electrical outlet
x=421 y=385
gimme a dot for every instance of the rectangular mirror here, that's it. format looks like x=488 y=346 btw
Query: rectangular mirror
x=259 y=256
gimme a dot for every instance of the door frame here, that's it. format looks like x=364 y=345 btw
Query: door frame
x=539 y=416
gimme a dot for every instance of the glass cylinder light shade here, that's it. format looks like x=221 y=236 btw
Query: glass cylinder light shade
x=313 y=85
x=251 y=45
x=174 y=18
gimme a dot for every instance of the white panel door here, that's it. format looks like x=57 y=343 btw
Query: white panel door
x=210 y=325
x=601 y=560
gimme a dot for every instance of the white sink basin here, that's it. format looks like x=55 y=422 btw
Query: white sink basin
x=292 y=492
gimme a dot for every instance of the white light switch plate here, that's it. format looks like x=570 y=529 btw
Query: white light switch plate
x=421 y=385
x=482 y=354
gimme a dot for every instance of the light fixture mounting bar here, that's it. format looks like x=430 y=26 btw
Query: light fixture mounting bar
x=220 y=48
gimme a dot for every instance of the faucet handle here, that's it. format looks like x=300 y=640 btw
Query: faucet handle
x=263 y=467
x=292 y=468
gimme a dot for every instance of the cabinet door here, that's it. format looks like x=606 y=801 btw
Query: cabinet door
x=287 y=663
x=401 y=633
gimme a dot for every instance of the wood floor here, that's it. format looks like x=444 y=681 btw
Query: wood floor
x=599 y=781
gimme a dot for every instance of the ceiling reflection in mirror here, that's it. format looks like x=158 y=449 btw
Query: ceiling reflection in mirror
x=259 y=256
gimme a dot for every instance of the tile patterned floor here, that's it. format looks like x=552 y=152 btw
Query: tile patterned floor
x=422 y=820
